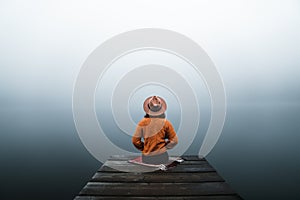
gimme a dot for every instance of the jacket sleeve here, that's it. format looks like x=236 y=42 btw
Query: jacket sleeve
x=171 y=136
x=137 y=138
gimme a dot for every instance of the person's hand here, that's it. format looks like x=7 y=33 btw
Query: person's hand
x=170 y=144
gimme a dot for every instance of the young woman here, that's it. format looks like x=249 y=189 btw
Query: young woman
x=154 y=134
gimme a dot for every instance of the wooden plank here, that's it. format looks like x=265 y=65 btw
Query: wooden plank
x=125 y=162
x=111 y=166
x=193 y=162
x=156 y=189
x=180 y=168
x=128 y=157
x=122 y=166
x=183 y=177
x=203 y=167
x=191 y=157
x=190 y=162
x=219 y=197
x=157 y=177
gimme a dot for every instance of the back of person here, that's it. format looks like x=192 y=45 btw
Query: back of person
x=154 y=134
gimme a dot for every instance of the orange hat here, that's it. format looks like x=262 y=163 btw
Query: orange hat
x=155 y=105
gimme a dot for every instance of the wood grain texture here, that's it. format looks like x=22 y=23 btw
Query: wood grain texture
x=156 y=189
x=180 y=177
x=220 y=197
x=194 y=179
x=186 y=166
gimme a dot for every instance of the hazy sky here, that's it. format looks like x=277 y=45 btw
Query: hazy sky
x=254 y=44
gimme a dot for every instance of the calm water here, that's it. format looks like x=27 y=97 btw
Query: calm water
x=257 y=154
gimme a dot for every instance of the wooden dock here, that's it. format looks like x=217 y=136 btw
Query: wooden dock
x=193 y=179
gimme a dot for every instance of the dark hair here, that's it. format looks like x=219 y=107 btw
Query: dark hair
x=158 y=116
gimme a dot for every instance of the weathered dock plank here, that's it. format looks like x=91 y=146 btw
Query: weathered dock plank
x=156 y=189
x=180 y=177
x=127 y=157
x=195 y=178
x=220 y=197
x=187 y=166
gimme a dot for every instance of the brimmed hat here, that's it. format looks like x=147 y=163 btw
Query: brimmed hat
x=155 y=106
